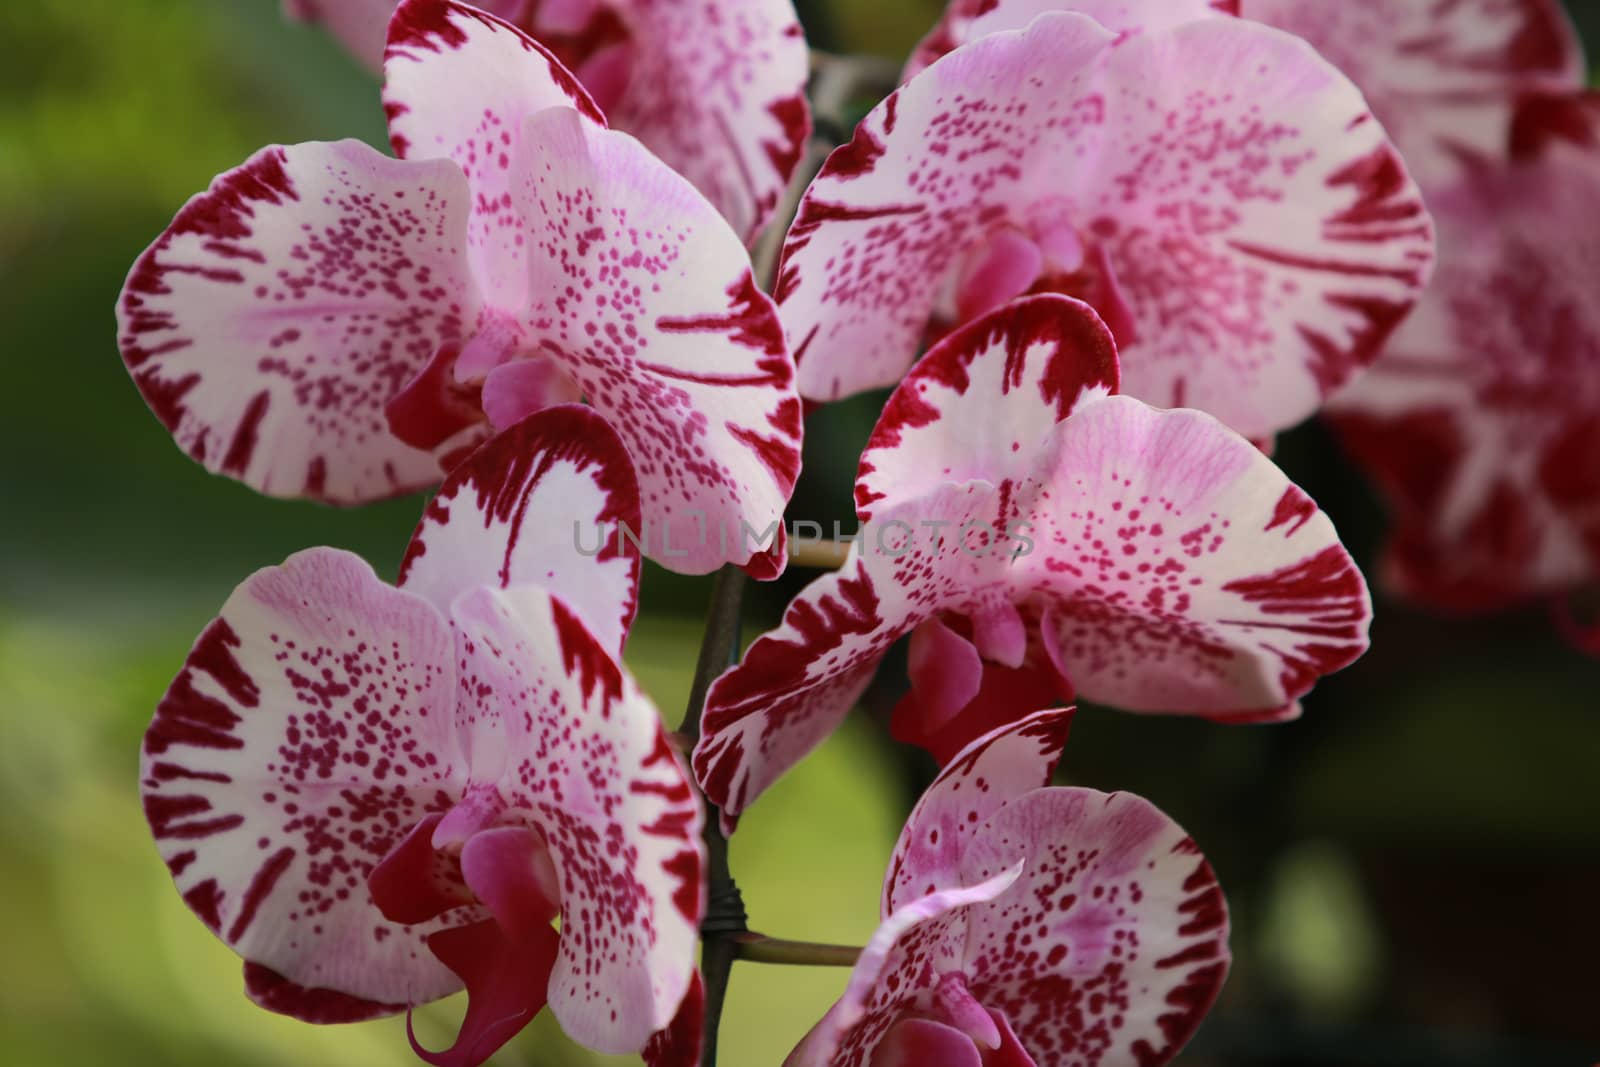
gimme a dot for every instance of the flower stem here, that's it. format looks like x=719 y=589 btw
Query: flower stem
x=758 y=948
x=725 y=917
x=819 y=553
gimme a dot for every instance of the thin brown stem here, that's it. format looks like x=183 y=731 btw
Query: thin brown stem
x=758 y=948
x=819 y=553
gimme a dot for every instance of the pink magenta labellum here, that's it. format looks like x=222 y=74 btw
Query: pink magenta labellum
x=1081 y=541
x=1027 y=926
x=377 y=795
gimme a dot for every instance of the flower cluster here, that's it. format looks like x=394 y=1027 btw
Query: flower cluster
x=1102 y=252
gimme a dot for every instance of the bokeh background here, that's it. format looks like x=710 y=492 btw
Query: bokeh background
x=1414 y=867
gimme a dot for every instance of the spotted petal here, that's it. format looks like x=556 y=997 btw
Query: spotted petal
x=589 y=766
x=1482 y=423
x=309 y=730
x=910 y=943
x=283 y=307
x=798 y=682
x=1443 y=78
x=647 y=301
x=968 y=20
x=461 y=84
x=1251 y=247
x=1113 y=944
x=541 y=504
x=716 y=88
x=988 y=774
x=977 y=405
x=360 y=25
x=1177 y=569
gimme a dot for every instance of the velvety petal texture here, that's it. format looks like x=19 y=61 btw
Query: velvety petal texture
x=716 y=89
x=376 y=799
x=1151 y=560
x=283 y=307
x=1094 y=932
x=1251 y=246
x=1482 y=422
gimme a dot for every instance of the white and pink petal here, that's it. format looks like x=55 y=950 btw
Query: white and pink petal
x=1112 y=945
x=1178 y=570
x=284 y=307
x=645 y=299
x=590 y=768
x=1251 y=248
x=797 y=683
x=969 y=20
x=308 y=732
x=977 y=405
x=545 y=503
x=987 y=775
x=460 y=83
x=1444 y=79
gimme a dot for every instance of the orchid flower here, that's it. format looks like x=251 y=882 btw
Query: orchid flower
x=377 y=795
x=1031 y=926
x=328 y=322
x=1036 y=536
x=1218 y=192
x=1482 y=422
x=716 y=88
x=1443 y=78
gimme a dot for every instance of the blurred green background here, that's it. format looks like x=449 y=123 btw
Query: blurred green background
x=1414 y=866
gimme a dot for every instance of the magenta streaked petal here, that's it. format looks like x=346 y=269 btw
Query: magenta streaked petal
x=586 y=762
x=272 y=991
x=538 y=505
x=1443 y=78
x=923 y=938
x=976 y=406
x=681 y=1042
x=1113 y=943
x=506 y=978
x=968 y=20
x=1482 y=422
x=797 y=683
x=646 y=301
x=461 y=84
x=308 y=732
x=1261 y=243
x=1179 y=570
x=285 y=306
x=717 y=90
x=987 y=775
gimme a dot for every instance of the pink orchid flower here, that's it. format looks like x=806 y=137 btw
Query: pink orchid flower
x=1037 y=535
x=1441 y=77
x=716 y=88
x=328 y=322
x=377 y=795
x=1030 y=926
x=1482 y=422
x=1218 y=192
